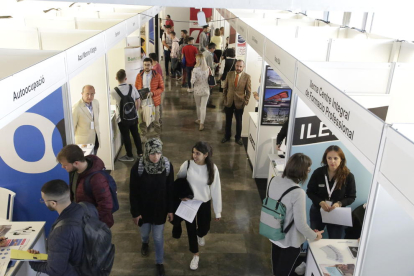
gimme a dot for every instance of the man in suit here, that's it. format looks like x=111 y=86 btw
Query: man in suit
x=236 y=91
x=86 y=118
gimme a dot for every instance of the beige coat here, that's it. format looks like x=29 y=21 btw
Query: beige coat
x=82 y=122
x=240 y=95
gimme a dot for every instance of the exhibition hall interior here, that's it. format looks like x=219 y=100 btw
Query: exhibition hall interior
x=206 y=138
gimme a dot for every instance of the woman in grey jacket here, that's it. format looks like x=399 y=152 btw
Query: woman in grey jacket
x=286 y=251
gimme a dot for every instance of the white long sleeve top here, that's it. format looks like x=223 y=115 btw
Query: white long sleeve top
x=197 y=177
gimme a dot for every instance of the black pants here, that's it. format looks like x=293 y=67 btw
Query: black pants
x=334 y=231
x=218 y=53
x=133 y=129
x=95 y=149
x=167 y=59
x=200 y=226
x=189 y=72
x=283 y=259
x=238 y=114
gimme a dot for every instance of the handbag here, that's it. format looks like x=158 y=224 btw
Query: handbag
x=148 y=110
x=272 y=217
x=211 y=79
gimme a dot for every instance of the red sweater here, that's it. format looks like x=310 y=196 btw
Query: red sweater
x=190 y=52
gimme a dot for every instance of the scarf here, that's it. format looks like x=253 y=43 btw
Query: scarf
x=152 y=146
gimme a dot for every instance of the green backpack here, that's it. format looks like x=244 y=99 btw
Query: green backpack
x=272 y=217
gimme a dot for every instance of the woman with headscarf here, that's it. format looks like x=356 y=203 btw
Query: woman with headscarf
x=151 y=198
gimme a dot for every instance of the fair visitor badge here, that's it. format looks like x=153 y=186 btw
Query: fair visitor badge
x=321 y=185
x=92 y=125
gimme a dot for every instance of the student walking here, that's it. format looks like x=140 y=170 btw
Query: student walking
x=286 y=250
x=199 y=81
x=204 y=179
x=175 y=68
x=151 y=198
x=188 y=53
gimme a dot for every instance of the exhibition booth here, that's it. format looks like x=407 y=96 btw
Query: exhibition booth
x=340 y=92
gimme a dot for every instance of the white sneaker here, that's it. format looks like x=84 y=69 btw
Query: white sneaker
x=194 y=262
x=201 y=241
x=189 y=90
x=126 y=158
x=301 y=269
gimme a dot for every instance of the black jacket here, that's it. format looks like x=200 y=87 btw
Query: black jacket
x=317 y=192
x=151 y=195
x=229 y=65
x=282 y=133
x=65 y=245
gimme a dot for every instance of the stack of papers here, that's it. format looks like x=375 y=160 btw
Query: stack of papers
x=21 y=255
x=188 y=209
x=339 y=216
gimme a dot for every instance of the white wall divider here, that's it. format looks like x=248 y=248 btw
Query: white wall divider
x=115 y=34
x=83 y=54
x=356 y=127
x=345 y=32
x=51 y=23
x=406 y=53
x=368 y=50
x=23 y=90
x=133 y=24
x=256 y=40
x=63 y=39
x=352 y=77
x=19 y=38
x=114 y=15
x=281 y=61
x=402 y=94
x=312 y=33
x=130 y=8
x=242 y=28
x=95 y=24
x=295 y=22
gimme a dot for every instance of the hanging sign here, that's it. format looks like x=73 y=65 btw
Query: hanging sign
x=256 y=40
x=133 y=24
x=115 y=34
x=84 y=52
x=241 y=28
x=28 y=85
x=349 y=121
x=281 y=61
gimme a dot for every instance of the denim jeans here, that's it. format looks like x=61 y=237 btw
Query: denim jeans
x=158 y=236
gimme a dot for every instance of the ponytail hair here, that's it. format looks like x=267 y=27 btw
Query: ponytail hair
x=205 y=148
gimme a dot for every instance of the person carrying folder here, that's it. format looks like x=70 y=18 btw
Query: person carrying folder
x=330 y=186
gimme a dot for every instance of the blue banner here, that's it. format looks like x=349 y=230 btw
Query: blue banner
x=28 y=150
x=151 y=31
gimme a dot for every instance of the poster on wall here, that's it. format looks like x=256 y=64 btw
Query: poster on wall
x=241 y=47
x=28 y=150
x=151 y=31
x=233 y=33
x=276 y=99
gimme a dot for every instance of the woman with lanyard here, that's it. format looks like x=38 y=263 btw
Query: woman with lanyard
x=204 y=179
x=151 y=198
x=329 y=187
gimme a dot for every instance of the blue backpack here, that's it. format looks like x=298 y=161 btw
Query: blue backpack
x=112 y=188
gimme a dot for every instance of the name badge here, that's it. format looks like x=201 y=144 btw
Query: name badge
x=92 y=125
x=321 y=185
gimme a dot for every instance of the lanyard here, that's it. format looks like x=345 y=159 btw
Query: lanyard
x=89 y=106
x=330 y=191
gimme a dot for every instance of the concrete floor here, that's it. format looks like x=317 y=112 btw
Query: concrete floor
x=233 y=245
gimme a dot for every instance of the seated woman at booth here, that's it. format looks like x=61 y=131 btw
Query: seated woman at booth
x=329 y=187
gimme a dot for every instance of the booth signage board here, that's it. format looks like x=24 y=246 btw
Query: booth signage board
x=23 y=87
x=256 y=40
x=115 y=34
x=280 y=60
x=83 y=53
x=347 y=120
x=133 y=24
x=241 y=28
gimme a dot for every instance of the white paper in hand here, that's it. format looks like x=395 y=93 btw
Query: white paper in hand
x=188 y=209
x=339 y=216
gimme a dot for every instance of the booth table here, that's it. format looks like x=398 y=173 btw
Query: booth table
x=317 y=257
x=36 y=238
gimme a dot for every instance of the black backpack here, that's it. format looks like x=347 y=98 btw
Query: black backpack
x=98 y=251
x=127 y=107
x=112 y=188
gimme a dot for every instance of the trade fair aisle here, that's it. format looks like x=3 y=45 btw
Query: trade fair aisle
x=233 y=245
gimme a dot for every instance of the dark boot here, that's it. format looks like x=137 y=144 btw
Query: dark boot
x=160 y=270
x=144 y=249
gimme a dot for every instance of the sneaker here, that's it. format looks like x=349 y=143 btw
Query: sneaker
x=180 y=78
x=160 y=270
x=189 y=90
x=210 y=105
x=197 y=122
x=201 y=241
x=201 y=128
x=224 y=140
x=126 y=158
x=301 y=269
x=194 y=262
x=239 y=142
x=144 y=249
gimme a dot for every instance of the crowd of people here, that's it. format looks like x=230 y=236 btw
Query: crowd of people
x=155 y=192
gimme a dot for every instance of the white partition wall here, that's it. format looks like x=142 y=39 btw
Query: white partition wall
x=312 y=33
x=19 y=38
x=95 y=24
x=63 y=39
x=367 y=50
x=51 y=23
